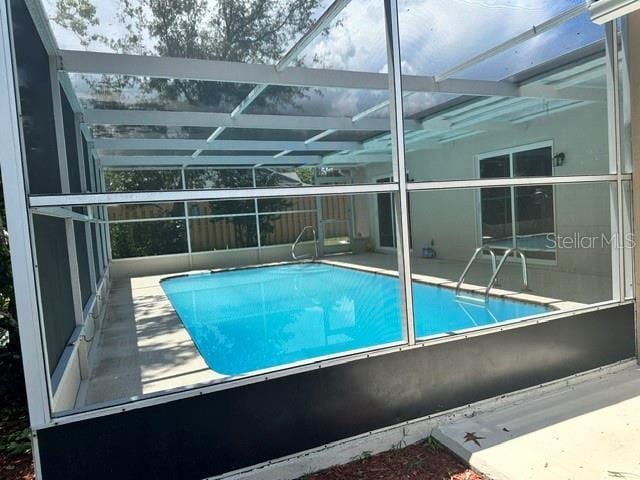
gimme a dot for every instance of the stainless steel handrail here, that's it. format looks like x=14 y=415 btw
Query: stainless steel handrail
x=505 y=257
x=315 y=244
x=475 y=255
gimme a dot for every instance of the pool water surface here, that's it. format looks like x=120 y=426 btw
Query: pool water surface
x=258 y=318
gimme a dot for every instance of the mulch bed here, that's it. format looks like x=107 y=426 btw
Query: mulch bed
x=16 y=467
x=13 y=466
x=13 y=422
x=423 y=461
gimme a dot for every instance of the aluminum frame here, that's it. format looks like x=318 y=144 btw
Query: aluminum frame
x=18 y=217
x=18 y=223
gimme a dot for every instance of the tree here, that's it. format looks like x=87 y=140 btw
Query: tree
x=245 y=231
x=10 y=358
x=249 y=31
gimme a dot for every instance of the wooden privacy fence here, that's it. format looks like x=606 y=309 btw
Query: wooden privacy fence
x=243 y=229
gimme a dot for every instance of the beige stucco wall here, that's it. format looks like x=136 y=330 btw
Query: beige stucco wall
x=634 y=67
x=451 y=218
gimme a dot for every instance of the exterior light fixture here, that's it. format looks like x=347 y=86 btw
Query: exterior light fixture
x=603 y=11
x=558 y=159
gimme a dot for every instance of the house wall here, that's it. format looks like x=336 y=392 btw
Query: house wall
x=634 y=71
x=451 y=218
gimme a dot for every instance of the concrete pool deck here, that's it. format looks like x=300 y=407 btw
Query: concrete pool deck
x=143 y=347
x=588 y=431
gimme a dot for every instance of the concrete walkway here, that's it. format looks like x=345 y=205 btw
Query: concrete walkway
x=586 y=431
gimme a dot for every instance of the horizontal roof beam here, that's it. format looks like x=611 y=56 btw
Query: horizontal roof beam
x=121 y=161
x=551 y=92
x=113 y=198
x=215 y=70
x=236 y=72
x=61 y=212
x=189 y=144
x=210 y=119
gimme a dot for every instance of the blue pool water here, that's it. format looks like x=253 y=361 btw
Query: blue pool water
x=258 y=318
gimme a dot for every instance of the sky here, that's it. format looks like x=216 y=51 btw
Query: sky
x=435 y=35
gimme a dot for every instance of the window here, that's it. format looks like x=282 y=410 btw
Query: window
x=519 y=217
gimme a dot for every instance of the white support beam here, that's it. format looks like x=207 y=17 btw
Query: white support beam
x=167 y=196
x=63 y=167
x=512 y=42
x=236 y=72
x=290 y=56
x=85 y=188
x=65 y=213
x=553 y=92
x=67 y=87
x=20 y=239
x=189 y=144
x=543 y=112
x=401 y=200
x=121 y=161
x=41 y=22
x=213 y=70
x=207 y=119
x=318 y=27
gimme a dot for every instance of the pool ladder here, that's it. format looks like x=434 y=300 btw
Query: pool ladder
x=495 y=269
x=295 y=244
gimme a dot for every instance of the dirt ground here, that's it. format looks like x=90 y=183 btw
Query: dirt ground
x=13 y=422
x=422 y=461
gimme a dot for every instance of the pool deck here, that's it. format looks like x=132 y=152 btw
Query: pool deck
x=143 y=347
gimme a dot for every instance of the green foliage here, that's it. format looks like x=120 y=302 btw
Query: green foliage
x=244 y=227
x=133 y=180
x=306 y=174
x=433 y=444
x=17 y=442
x=14 y=437
x=141 y=239
x=249 y=31
x=9 y=340
x=77 y=16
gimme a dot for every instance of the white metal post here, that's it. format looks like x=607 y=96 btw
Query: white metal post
x=399 y=167
x=626 y=150
x=256 y=207
x=186 y=217
x=78 y=307
x=615 y=160
x=93 y=174
x=24 y=276
x=84 y=188
x=321 y=225
x=105 y=233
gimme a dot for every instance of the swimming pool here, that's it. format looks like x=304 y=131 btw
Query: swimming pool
x=258 y=318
